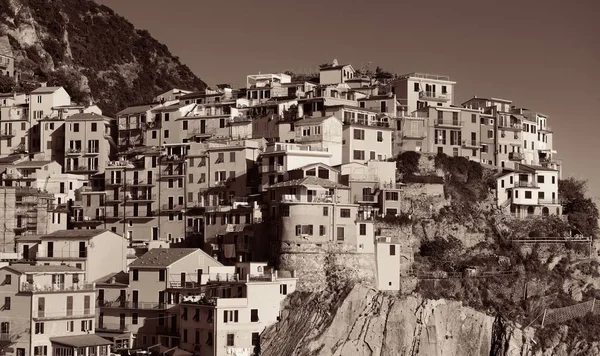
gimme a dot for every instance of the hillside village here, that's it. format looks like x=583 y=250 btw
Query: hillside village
x=179 y=227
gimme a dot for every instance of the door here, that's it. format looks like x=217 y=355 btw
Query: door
x=122 y=297
x=149 y=177
x=134 y=298
x=171 y=202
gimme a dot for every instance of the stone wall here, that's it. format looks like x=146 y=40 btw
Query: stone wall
x=320 y=266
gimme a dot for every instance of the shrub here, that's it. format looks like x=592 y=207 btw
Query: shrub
x=408 y=162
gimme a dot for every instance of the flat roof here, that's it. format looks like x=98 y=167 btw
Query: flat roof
x=81 y=340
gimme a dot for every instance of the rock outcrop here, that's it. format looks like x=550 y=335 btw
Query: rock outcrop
x=361 y=321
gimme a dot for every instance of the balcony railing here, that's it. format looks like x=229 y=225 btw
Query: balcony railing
x=365 y=198
x=451 y=123
x=127 y=304
x=309 y=138
x=392 y=185
x=13 y=176
x=139 y=197
x=272 y=169
x=471 y=143
x=81 y=169
x=431 y=95
x=8 y=337
x=7 y=133
x=131 y=164
x=548 y=201
x=515 y=156
x=57 y=287
x=132 y=126
x=62 y=254
x=291 y=198
x=171 y=207
x=365 y=122
x=240 y=119
x=525 y=184
x=112 y=327
x=515 y=127
x=87 y=219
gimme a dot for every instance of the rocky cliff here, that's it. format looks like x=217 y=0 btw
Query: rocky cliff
x=361 y=321
x=91 y=51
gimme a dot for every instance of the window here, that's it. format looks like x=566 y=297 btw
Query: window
x=154 y=134
x=393 y=196
x=553 y=179
x=359 y=134
x=392 y=250
x=540 y=179
x=490 y=134
x=135 y=274
x=6 y=303
x=94 y=127
x=540 y=195
x=39 y=328
x=185 y=335
x=344 y=213
x=134 y=318
x=8 y=279
x=161 y=275
x=285 y=210
x=254 y=315
x=528 y=194
x=325 y=211
x=230 y=339
x=502 y=183
x=283 y=289
x=184 y=124
x=40 y=351
x=166 y=134
x=255 y=339
x=166 y=117
x=230 y=316
x=359 y=155
x=362 y=229
x=321 y=230
x=70 y=326
x=416 y=86
x=340 y=233
x=75 y=127
x=474 y=118
x=231 y=156
x=379 y=136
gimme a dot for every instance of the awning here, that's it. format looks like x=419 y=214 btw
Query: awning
x=81 y=340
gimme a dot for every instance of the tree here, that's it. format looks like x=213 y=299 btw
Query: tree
x=7 y=84
x=582 y=212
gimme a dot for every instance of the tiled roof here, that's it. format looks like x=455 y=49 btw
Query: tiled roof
x=23 y=268
x=87 y=116
x=29 y=238
x=32 y=164
x=311 y=120
x=536 y=168
x=136 y=109
x=325 y=183
x=331 y=67
x=79 y=234
x=162 y=257
x=81 y=340
x=121 y=279
x=45 y=90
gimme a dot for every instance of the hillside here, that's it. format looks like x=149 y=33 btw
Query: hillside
x=91 y=51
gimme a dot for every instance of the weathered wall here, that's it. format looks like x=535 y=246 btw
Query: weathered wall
x=319 y=266
x=366 y=322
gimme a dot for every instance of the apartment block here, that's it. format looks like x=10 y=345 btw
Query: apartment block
x=14 y=123
x=418 y=90
x=336 y=73
x=41 y=103
x=88 y=144
x=325 y=133
x=528 y=191
x=231 y=309
x=150 y=299
x=48 y=310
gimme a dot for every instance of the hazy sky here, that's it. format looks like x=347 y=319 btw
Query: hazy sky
x=543 y=55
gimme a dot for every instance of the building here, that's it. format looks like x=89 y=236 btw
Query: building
x=7 y=59
x=14 y=123
x=528 y=191
x=418 y=90
x=151 y=296
x=336 y=73
x=325 y=133
x=394 y=259
x=48 y=310
x=86 y=250
x=231 y=308
x=41 y=103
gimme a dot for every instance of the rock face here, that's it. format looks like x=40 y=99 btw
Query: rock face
x=91 y=51
x=362 y=321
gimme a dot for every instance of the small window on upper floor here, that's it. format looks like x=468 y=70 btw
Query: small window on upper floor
x=94 y=127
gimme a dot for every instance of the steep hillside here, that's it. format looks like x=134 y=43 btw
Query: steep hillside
x=91 y=51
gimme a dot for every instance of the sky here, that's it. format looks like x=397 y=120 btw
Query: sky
x=543 y=55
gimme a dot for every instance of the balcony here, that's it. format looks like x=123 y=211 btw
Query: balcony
x=290 y=198
x=119 y=304
x=272 y=169
x=548 y=202
x=139 y=198
x=19 y=177
x=412 y=135
x=515 y=156
x=128 y=126
x=81 y=169
x=74 y=151
x=166 y=159
x=68 y=314
x=126 y=164
x=364 y=216
x=171 y=173
x=290 y=147
x=57 y=287
x=433 y=96
x=448 y=123
x=519 y=184
x=365 y=198
x=171 y=208
x=510 y=126
x=365 y=122
x=139 y=183
x=91 y=151
x=309 y=138
x=57 y=254
x=392 y=185
x=471 y=144
x=112 y=327
x=84 y=220
x=7 y=133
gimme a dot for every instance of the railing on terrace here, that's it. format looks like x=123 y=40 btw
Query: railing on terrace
x=294 y=147
x=291 y=198
x=34 y=287
x=274 y=168
x=112 y=327
x=508 y=126
x=471 y=143
x=133 y=305
x=433 y=95
x=8 y=133
x=548 y=201
x=452 y=122
x=370 y=198
x=519 y=184
x=425 y=76
x=515 y=156
x=171 y=207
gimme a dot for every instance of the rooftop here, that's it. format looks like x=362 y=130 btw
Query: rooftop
x=325 y=183
x=162 y=257
x=120 y=279
x=45 y=90
x=29 y=238
x=136 y=109
x=312 y=120
x=74 y=234
x=81 y=340
x=32 y=164
x=84 y=116
x=24 y=268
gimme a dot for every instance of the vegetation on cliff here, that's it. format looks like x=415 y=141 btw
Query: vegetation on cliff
x=91 y=51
